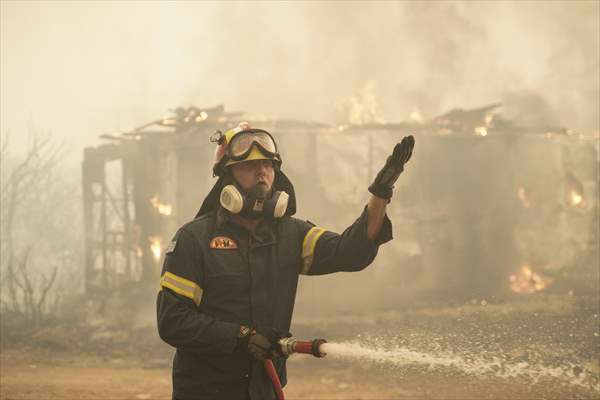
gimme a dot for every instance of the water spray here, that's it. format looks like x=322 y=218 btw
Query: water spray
x=289 y=346
x=463 y=361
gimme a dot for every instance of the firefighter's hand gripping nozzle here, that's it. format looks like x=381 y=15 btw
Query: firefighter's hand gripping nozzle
x=291 y=345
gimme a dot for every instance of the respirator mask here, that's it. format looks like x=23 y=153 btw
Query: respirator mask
x=254 y=203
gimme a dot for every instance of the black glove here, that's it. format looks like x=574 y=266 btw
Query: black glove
x=383 y=184
x=263 y=343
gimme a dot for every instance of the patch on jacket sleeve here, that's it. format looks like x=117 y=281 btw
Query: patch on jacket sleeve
x=171 y=247
x=223 y=243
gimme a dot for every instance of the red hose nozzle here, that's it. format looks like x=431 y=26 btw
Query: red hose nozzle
x=291 y=345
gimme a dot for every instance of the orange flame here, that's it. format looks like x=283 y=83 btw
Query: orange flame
x=155 y=246
x=522 y=194
x=574 y=194
x=481 y=131
x=527 y=281
x=416 y=116
x=362 y=108
x=163 y=208
x=202 y=116
x=168 y=121
x=575 y=198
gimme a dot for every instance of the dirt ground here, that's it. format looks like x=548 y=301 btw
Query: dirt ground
x=60 y=378
x=543 y=349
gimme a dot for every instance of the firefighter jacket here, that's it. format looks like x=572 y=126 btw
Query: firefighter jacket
x=218 y=276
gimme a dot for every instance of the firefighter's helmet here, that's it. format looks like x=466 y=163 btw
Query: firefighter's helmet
x=243 y=143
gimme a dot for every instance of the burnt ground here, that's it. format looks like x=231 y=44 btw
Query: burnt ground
x=538 y=347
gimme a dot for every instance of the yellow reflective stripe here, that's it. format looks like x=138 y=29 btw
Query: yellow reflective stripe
x=185 y=282
x=182 y=286
x=308 y=247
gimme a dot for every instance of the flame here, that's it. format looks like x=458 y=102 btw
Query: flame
x=575 y=199
x=527 y=281
x=481 y=131
x=362 y=108
x=574 y=193
x=155 y=246
x=163 y=208
x=202 y=117
x=168 y=121
x=522 y=194
x=416 y=116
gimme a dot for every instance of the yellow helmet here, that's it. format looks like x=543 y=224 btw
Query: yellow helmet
x=243 y=143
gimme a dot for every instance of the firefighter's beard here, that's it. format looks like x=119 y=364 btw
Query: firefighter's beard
x=255 y=198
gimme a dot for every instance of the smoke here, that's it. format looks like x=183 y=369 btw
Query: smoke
x=82 y=69
x=527 y=108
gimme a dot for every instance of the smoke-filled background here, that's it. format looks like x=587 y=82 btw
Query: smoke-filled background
x=80 y=69
x=490 y=288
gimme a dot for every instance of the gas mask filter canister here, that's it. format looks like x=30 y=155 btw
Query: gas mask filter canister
x=255 y=204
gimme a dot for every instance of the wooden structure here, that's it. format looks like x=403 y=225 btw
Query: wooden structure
x=472 y=209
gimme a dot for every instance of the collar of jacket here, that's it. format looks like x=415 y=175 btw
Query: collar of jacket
x=263 y=235
x=222 y=218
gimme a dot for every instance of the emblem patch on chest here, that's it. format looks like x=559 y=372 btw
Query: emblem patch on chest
x=223 y=243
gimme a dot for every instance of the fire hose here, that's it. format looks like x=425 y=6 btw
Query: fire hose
x=290 y=346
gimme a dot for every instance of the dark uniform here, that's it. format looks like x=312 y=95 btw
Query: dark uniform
x=218 y=276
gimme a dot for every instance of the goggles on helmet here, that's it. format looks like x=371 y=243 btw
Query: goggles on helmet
x=241 y=145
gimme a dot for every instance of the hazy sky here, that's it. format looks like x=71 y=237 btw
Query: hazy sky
x=80 y=69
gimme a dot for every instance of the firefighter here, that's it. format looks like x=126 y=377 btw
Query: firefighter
x=229 y=278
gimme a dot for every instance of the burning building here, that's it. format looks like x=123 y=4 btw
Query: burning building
x=486 y=206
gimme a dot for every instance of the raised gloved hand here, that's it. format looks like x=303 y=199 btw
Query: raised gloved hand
x=383 y=184
x=263 y=343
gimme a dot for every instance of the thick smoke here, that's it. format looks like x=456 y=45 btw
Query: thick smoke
x=81 y=69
